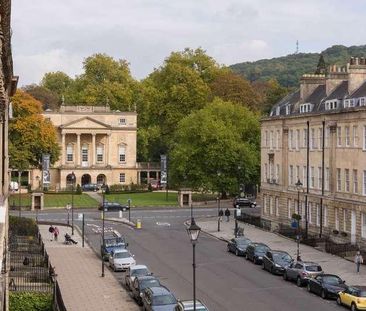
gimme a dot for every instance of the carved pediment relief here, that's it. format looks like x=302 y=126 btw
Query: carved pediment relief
x=85 y=123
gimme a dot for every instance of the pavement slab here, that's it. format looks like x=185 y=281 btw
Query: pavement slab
x=78 y=272
x=330 y=263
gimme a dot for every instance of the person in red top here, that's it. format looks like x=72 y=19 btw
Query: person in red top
x=56 y=233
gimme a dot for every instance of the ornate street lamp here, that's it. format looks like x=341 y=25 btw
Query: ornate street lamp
x=73 y=178
x=193 y=232
x=299 y=188
x=103 y=216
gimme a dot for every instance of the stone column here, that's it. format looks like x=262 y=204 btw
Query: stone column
x=78 y=150
x=93 y=150
x=63 y=148
x=332 y=158
x=107 y=151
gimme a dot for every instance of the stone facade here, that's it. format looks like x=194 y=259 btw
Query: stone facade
x=329 y=110
x=97 y=144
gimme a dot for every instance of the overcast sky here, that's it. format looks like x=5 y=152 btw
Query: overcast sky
x=52 y=35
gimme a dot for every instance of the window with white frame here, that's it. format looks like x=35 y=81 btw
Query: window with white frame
x=302 y=210
x=336 y=217
x=355 y=181
x=296 y=209
x=331 y=104
x=271 y=140
x=289 y=214
x=121 y=153
x=320 y=177
x=320 y=136
x=84 y=153
x=339 y=136
x=310 y=209
x=271 y=205
x=122 y=177
x=278 y=140
x=325 y=216
x=277 y=208
x=307 y=107
x=290 y=140
x=355 y=135
x=287 y=109
x=266 y=142
x=297 y=139
x=297 y=173
x=346 y=180
x=312 y=140
x=327 y=135
x=122 y=121
x=265 y=172
x=344 y=220
x=312 y=177
x=363 y=225
x=339 y=180
x=364 y=183
x=364 y=138
x=317 y=214
x=100 y=152
x=348 y=103
x=304 y=176
x=277 y=173
x=70 y=153
x=305 y=138
x=291 y=175
x=363 y=101
x=348 y=138
x=278 y=110
x=326 y=182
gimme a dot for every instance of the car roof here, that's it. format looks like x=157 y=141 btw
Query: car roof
x=188 y=304
x=258 y=244
x=360 y=287
x=327 y=274
x=159 y=290
x=309 y=263
x=136 y=267
x=121 y=250
x=147 y=277
x=276 y=251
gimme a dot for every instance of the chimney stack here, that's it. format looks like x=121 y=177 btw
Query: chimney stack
x=308 y=83
x=357 y=73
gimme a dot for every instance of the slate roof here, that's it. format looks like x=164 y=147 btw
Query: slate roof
x=360 y=92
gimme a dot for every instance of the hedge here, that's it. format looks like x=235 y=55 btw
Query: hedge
x=21 y=301
x=22 y=226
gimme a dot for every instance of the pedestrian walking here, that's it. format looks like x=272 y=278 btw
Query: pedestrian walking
x=221 y=214
x=56 y=233
x=227 y=214
x=358 y=261
x=51 y=230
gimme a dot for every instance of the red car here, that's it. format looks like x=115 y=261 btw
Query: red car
x=155 y=184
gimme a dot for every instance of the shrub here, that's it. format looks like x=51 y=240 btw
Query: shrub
x=20 y=301
x=78 y=189
x=22 y=226
x=107 y=190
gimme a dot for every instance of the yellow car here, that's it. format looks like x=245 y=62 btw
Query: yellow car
x=354 y=297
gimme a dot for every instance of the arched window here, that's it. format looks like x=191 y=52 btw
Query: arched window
x=70 y=153
x=122 y=153
x=101 y=179
x=100 y=153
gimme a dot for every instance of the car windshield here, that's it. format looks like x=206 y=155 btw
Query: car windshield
x=149 y=283
x=332 y=280
x=313 y=268
x=114 y=242
x=261 y=248
x=242 y=242
x=164 y=300
x=142 y=271
x=282 y=257
x=122 y=255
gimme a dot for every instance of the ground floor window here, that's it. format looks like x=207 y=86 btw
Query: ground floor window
x=122 y=177
x=325 y=216
x=271 y=205
x=310 y=208
x=277 y=207
x=336 y=217
x=318 y=215
x=363 y=225
x=289 y=215
x=265 y=204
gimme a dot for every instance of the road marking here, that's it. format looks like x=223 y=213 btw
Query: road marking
x=164 y=224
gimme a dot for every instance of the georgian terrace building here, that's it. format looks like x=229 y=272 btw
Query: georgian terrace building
x=327 y=110
x=98 y=145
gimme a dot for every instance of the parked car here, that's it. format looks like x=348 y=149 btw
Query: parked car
x=155 y=184
x=238 y=246
x=158 y=299
x=256 y=251
x=113 y=207
x=326 y=285
x=121 y=259
x=90 y=187
x=244 y=202
x=112 y=241
x=276 y=262
x=187 y=305
x=140 y=283
x=133 y=272
x=354 y=297
x=302 y=271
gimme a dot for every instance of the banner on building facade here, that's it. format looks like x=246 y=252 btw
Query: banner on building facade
x=163 y=170
x=46 y=169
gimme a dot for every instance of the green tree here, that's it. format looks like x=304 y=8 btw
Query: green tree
x=30 y=134
x=321 y=68
x=49 y=99
x=210 y=145
x=57 y=82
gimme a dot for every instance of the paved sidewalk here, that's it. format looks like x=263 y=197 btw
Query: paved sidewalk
x=78 y=272
x=330 y=263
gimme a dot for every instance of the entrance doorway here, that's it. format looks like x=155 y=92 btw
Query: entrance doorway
x=85 y=179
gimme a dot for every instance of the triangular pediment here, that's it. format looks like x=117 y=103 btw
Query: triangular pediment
x=85 y=123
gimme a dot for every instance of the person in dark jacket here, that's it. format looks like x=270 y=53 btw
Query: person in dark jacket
x=221 y=214
x=227 y=214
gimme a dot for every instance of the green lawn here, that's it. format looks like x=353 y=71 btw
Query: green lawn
x=56 y=200
x=145 y=199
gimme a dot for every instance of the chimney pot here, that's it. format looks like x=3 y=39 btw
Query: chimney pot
x=357 y=62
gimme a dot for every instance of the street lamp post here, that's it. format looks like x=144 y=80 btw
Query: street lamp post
x=218 y=213
x=72 y=202
x=129 y=209
x=19 y=192
x=193 y=231
x=103 y=216
x=68 y=207
x=299 y=188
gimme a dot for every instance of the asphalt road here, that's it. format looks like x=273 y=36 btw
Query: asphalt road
x=224 y=281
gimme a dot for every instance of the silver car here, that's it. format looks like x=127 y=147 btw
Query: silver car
x=134 y=271
x=302 y=271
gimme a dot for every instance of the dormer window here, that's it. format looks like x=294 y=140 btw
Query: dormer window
x=278 y=111
x=306 y=108
x=348 y=103
x=122 y=121
x=363 y=101
x=331 y=104
x=287 y=109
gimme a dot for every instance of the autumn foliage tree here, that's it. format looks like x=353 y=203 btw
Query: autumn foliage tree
x=30 y=134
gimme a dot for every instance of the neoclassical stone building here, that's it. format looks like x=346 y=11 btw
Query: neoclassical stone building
x=317 y=135
x=97 y=144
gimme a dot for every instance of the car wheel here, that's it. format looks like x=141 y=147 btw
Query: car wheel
x=298 y=282
x=236 y=252
x=308 y=288
x=228 y=248
x=272 y=271
x=339 y=300
x=263 y=266
x=246 y=257
x=324 y=294
x=353 y=307
x=255 y=260
x=284 y=276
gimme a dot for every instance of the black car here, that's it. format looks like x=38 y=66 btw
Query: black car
x=113 y=206
x=256 y=251
x=158 y=298
x=90 y=187
x=244 y=202
x=326 y=285
x=276 y=261
x=238 y=246
x=140 y=283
